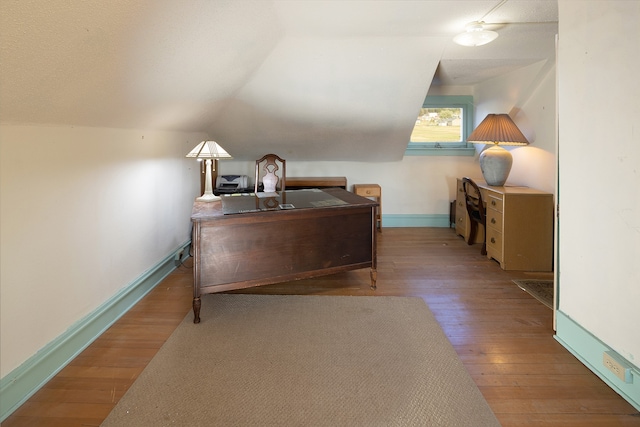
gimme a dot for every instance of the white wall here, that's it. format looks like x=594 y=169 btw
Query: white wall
x=528 y=95
x=426 y=185
x=84 y=212
x=415 y=185
x=599 y=180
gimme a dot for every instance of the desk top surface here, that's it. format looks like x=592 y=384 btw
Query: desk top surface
x=290 y=200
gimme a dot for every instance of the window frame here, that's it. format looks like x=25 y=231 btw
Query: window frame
x=464 y=148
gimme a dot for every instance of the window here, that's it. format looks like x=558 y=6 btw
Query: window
x=442 y=127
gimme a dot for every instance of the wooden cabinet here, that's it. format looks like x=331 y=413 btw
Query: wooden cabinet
x=519 y=226
x=371 y=191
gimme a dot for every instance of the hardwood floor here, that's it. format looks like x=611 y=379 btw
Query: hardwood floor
x=503 y=336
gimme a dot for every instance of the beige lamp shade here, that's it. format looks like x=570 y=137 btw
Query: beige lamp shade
x=208 y=150
x=498 y=129
x=495 y=161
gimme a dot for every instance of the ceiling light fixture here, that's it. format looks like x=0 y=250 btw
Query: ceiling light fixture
x=475 y=35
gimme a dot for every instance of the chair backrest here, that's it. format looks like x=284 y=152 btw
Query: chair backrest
x=473 y=200
x=271 y=170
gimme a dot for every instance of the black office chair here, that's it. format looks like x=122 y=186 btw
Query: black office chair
x=476 y=211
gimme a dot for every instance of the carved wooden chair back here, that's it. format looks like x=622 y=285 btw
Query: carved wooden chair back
x=271 y=171
x=476 y=211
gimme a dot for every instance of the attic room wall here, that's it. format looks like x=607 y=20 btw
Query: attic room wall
x=424 y=185
x=413 y=186
x=599 y=195
x=84 y=212
x=528 y=95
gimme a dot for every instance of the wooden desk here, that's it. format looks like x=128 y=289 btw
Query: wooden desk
x=260 y=247
x=519 y=226
x=298 y=182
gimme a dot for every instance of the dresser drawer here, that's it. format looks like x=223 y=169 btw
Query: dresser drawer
x=494 y=219
x=494 y=244
x=495 y=201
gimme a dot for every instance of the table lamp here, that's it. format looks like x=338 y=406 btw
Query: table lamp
x=495 y=161
x=208 y=150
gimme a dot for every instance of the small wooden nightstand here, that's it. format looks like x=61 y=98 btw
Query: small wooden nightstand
x=375 y=192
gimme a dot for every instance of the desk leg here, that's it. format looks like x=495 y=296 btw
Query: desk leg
x=374 y=278
x=196 y=310
x=195 y=244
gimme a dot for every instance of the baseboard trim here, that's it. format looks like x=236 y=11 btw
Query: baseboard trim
x=21 y=383
x=416 y=220
x=589 y=350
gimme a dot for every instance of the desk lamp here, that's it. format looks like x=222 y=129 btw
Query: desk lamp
x=495 y=161
x=208 y=150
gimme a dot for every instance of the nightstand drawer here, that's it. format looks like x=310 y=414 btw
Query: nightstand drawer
x=368 y=190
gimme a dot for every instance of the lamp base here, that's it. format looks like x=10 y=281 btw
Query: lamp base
x=495 y=163
x=208 y=198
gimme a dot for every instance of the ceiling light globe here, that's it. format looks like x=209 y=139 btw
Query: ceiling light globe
x=475 y=35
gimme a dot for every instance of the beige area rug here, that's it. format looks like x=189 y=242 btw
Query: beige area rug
x=542 y=290
x=276 y=360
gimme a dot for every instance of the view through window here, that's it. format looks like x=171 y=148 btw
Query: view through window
x=442 y=126
x=438 y=125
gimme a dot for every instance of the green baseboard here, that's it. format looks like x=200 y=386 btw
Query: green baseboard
x=589 y=350
x=21 y=383
x=417 y=220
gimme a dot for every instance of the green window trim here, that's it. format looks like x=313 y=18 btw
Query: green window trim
x=465 y=102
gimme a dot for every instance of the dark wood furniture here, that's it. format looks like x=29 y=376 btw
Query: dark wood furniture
x=476 y=211
x=298 y=182
x=267 y=168
x=244 y=241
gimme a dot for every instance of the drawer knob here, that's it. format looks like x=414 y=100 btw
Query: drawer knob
x=493 y=203
x=493 y=220
x=493 y=240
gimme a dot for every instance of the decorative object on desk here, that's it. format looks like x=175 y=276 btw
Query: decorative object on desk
x=208 y=150
x=542 y=290
x=299 y=360
x=475 y=35
x=266 y=173
x=475 y=210
x=495 y=161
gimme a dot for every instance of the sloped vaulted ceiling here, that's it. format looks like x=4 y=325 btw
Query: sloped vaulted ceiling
x=309 y=80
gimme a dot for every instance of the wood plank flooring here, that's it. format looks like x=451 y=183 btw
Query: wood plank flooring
x=503 y=336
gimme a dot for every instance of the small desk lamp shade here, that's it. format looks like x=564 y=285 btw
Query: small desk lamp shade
x=208 y=150
x=495 y=161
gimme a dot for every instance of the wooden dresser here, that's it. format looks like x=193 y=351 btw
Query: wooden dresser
x=519 y=226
